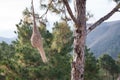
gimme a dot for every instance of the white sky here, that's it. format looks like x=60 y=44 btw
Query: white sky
x=11 y=13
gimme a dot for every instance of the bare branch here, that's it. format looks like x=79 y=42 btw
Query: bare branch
x=47 y=9
x=33 y=14
x=69 y=10
x=103 y=18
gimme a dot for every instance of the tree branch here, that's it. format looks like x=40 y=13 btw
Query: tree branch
x=47 y=9
x=103 y=18
x=69 y=10
x=33 y=14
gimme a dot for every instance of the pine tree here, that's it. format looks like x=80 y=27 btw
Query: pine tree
x=29 y=66
x=108 y=63
x=91 y=66
x=80 y=31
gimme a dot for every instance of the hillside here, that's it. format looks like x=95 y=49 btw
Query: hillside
x=105 y=39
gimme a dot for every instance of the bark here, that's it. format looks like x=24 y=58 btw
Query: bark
x=77 y=72
x=69 y=10
x=34 y=23
x=118 y=77
x=104 y=18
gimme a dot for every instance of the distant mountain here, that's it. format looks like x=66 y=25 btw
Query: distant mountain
x=105 y=39
x=7 y=40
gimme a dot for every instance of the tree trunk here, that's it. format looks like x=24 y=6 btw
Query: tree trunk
x=118 y=77
x=80 y=32
x=77 y=72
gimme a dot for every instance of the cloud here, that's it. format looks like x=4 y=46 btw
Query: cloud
x=10 y=14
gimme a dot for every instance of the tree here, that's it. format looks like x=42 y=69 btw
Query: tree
x=91 y=66
x=118 y=63
x=80 y=32
x=61 y=48
x=7 y=62
x=29 y=66
x=108 y=64
x=62 y=42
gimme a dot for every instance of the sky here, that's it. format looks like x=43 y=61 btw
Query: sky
x=11 y=13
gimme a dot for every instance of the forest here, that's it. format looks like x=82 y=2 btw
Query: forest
x=21 y=61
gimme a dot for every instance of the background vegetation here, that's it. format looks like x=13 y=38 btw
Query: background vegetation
x=20 y=61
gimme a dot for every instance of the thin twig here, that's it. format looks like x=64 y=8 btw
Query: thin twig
x=46 y=10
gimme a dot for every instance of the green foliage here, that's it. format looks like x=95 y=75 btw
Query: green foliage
x=20 y=61
x=7 y=53
x=91 y=66
x=61 y=48
x=62 y=41
x=56 y=7
x=107 y=63
x=118 y=62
